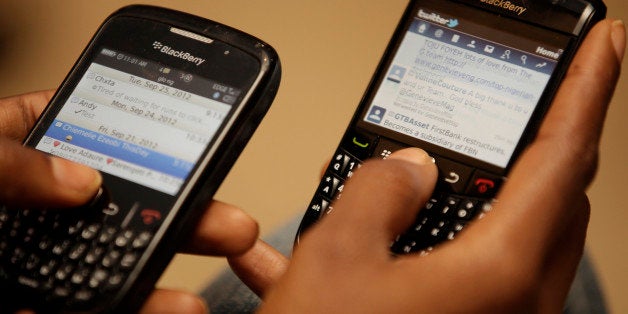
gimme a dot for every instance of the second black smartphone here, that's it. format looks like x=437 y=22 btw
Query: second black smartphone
x=162 y=103
x=469 y=82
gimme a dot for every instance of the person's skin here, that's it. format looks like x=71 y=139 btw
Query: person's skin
x=520 y=258
x=35 y=180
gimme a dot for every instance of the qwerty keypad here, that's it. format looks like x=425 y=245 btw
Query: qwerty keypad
x=459 y=198
x=65 y=261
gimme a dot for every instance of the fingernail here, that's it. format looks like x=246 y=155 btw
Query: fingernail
x=618 y=37
x=413 y=155
x=75 y=177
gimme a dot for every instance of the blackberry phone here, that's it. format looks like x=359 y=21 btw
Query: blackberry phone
x=469 y=82
x=162 y=103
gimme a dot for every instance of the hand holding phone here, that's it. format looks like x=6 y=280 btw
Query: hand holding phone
x=521 y=258
x=31 y=179
x=161 y=103
x=469 y=82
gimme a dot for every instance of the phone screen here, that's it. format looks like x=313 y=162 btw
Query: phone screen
x=464 y=87
x=140 y=120
x=469 y=82
x=162 y=103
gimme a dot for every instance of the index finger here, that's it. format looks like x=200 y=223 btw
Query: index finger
x=551 y=177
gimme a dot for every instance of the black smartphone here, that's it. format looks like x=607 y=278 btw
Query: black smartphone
x=162 y=103
x=469 y=82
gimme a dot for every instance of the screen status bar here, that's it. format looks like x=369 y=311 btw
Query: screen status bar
x=530 y=59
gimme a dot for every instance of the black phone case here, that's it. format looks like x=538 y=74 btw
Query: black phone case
x=451 y=207
x=155 y=258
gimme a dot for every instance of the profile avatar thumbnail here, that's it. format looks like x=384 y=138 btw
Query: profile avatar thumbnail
x=376 y=115
x=396 y=73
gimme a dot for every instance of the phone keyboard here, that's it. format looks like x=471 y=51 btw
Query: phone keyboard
x=461 y=195
x=56 y=261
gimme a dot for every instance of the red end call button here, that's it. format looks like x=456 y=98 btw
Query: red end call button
x=484 y=184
